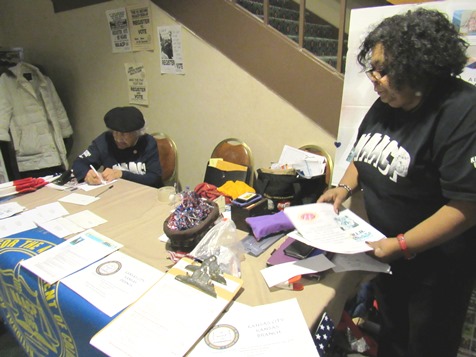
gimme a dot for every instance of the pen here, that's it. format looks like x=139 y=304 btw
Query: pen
x=100 y=193
x=97 y=174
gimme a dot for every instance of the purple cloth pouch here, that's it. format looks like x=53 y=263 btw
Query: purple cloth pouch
x=263 y=226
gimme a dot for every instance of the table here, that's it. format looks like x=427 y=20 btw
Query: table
x=55 y=321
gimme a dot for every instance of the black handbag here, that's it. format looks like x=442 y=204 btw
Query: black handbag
x=218 y=177
x=288 y=185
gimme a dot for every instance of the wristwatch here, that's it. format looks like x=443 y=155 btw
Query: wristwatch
x=347 y=188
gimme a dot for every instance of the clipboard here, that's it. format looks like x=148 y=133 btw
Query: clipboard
x=168 y=319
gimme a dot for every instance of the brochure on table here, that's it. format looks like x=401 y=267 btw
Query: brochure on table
x=277 y=329
x=114 y=282
x=70 y=256
x=168 y=319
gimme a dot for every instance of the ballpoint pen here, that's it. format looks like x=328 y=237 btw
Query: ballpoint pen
x=100 y=193
x=97 y=174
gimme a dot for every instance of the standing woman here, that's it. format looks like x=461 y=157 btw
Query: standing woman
x=415 y=160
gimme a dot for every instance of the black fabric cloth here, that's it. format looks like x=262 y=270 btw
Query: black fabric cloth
x=409 y=165
x=139 y=163
x=422 y=305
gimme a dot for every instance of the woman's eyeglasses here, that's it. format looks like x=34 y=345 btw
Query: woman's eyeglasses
x=374 y=75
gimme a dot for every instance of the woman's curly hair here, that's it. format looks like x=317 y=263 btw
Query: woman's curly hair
x=420 y=48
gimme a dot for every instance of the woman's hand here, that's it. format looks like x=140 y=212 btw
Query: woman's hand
x=334 y=195
x=385 y=250
x=348 y=183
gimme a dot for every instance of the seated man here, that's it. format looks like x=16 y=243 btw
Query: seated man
x=124 y=152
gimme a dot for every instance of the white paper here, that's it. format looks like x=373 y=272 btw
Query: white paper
x=114 y=282
x=15 y=224
x=70 y=256
x=277 y=329
x=61 y=227
x=55 y=186
x=119 y=30
x=9 y=209
x=86 y=187
x=163 y=238
x=140 y=27
x=46 y=212
x=359 y=261
x=137 y=83
x=280 y=273
x=86 y=219
x=171 y=56
x=306 y=162
x=166 y=321
x=320 y=227
x=79 y=199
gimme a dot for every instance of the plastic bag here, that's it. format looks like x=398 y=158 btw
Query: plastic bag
x=222 y=241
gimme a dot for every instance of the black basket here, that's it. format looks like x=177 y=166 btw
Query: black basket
x=186 y=240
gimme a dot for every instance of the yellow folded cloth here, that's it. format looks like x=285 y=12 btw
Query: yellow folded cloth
x=235 y=188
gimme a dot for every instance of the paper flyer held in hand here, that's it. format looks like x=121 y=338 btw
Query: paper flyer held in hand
x=322 y=228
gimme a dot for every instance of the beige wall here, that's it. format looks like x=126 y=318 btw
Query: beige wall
x=329 y=10
x=215 y=99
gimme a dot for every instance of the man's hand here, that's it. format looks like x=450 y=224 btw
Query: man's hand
x=92 y=178
x=111 y=174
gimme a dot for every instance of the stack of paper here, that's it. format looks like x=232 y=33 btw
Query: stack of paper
x=307 y=163
x=168 y=319
x=70 y=256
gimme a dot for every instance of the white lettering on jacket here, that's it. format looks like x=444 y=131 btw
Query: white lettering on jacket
x=134 y=167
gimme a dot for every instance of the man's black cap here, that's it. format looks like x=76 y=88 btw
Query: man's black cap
x=124 y=119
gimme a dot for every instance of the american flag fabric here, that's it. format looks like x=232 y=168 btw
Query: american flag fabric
x=323 y=334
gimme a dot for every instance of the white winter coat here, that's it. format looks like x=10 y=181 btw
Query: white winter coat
x=36 y=118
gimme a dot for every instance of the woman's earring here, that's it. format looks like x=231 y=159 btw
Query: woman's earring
x=418 y=93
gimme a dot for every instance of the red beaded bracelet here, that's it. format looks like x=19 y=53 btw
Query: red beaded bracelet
x=404 y=248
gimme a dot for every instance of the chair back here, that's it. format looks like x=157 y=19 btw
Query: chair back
x=168 y=158
x=315 y=149
x=235 y=151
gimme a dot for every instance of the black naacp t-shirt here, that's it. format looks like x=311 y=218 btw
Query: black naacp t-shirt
x=412 y=163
